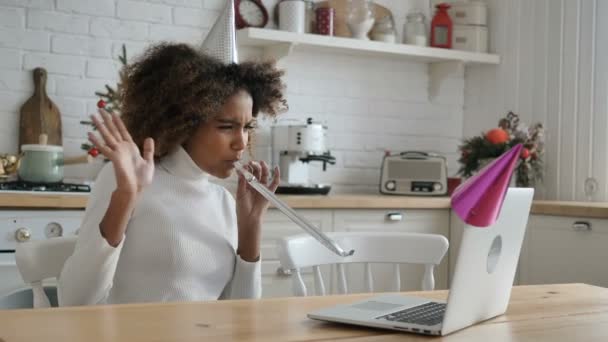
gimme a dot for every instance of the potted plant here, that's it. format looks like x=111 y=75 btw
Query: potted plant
x=478 y=151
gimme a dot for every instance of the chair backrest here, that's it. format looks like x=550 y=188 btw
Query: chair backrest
x=302 y=251
x=42 y=259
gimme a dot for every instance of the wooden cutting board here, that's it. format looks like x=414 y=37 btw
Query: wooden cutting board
x=39 y=115
x=341 y=7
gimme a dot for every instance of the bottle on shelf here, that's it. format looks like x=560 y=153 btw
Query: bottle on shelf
x=441 y=28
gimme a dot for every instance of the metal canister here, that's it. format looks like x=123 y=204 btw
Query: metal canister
x=325 y=21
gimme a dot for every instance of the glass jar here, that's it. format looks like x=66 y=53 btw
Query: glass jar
x=310 y=16
x=384 y=30
x=415 y=29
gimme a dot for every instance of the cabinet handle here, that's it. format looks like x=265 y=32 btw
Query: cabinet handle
x=394 y=216
x=581 y=226
x=283 y=272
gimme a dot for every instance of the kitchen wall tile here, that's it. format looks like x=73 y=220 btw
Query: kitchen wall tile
x=119 y=29
x=72 y=107
x=79 y=45
x=181 y=34
x=21 y=80
x=42 y=4
x=10 y=59
x=51 y=21
x=59 y=64
x=196 y=18
x=181 y=3
x=24 y=39
x=12 y=17
x=104 y=8
x=153 y=13
x=102 y=68
x=77 y=87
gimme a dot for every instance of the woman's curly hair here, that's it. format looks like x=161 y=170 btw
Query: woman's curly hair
x=171 y=89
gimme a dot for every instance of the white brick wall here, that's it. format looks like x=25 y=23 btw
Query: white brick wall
x=57 y=22
x=18 y=38
x=370 y=105
x=12 y=17
x=10 y=59
x=119 y=29
x=58 y=64
x=104 y=8
x=141 y=11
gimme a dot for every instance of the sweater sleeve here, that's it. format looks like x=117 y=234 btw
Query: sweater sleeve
x=87 y=275
x=246 y=282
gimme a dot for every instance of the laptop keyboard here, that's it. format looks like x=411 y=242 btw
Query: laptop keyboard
x=426 y=314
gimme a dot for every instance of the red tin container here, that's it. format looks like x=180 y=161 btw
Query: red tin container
x=325 y=21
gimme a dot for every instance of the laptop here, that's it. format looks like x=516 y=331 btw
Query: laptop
x=480 y=290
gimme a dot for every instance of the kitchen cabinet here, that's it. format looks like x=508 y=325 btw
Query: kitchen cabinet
x=564 y=250
x=554 y=251
x=276 y=283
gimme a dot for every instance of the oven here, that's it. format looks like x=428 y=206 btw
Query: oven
x=19 y=226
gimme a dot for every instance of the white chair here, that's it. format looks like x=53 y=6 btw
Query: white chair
x=302 y=251
x=40 y=260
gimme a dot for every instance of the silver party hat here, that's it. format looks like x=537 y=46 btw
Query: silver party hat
x=221 y=40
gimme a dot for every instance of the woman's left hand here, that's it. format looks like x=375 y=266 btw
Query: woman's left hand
x=251 y=206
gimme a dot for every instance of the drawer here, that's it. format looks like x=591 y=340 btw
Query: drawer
x=434 y=221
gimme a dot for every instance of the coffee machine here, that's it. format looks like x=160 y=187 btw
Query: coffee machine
x=294 y=147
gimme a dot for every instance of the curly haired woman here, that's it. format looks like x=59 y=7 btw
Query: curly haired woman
x=155 y=227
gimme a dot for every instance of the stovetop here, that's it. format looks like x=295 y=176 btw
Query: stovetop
x=46 y=187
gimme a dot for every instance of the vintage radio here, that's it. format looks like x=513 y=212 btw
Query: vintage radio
x=414 y=173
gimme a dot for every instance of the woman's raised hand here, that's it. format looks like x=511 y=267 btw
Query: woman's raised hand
x=133 y=171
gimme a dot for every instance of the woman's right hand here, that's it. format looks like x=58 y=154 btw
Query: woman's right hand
x=133 y=171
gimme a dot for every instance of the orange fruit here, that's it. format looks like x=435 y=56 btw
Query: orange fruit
x=497 y=136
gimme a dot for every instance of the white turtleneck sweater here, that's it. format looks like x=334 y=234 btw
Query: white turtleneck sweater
x=180 y=243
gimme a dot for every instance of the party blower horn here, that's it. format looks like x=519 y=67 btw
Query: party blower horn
x=478 y=200
x=221 y=40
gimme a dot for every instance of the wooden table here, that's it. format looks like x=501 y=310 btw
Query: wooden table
x=572 y=312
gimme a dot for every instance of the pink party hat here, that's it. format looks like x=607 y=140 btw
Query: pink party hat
x=478 y=200
x=221 y=40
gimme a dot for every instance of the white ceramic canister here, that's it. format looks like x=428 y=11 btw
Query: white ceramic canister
x=469 y=13
x=470 y=38
x=292 y=16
